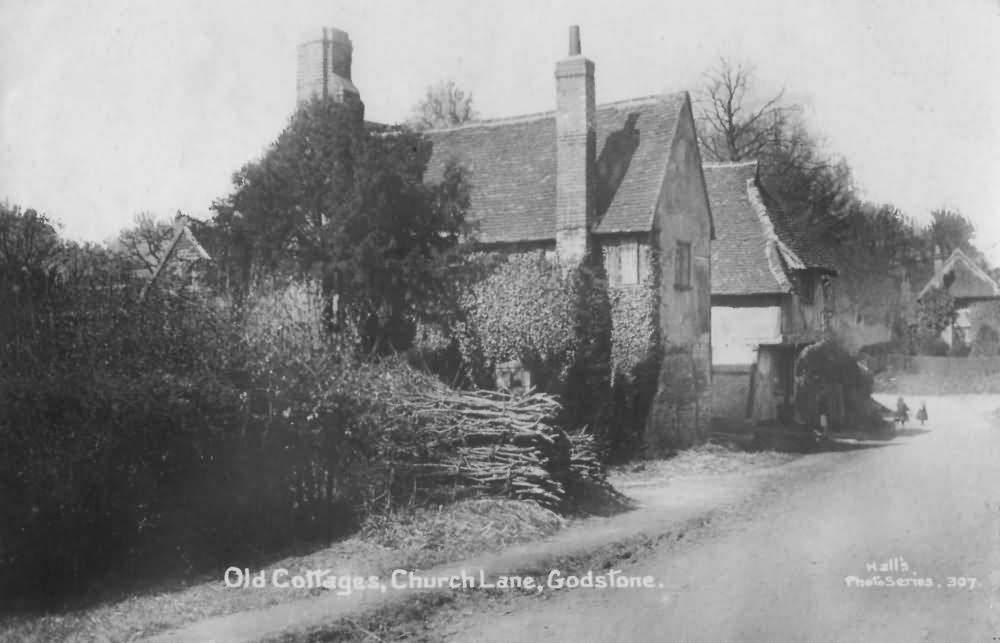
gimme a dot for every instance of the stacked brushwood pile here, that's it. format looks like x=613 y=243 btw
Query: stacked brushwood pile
x=500 y=444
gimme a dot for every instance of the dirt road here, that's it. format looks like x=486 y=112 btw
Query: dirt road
x=926 y=506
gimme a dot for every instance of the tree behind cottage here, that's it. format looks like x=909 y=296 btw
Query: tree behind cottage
x=443 y=105
x=336 y=201
x=737 y=123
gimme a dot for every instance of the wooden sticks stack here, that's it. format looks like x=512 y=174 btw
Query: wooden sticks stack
x=496 y=443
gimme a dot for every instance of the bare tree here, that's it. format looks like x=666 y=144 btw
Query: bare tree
x=444 y=105
x=729 y=129
x=146 y=242
x=735 y=125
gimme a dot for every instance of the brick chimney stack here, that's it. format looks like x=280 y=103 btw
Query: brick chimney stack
x=576 y=153
x=324 y=68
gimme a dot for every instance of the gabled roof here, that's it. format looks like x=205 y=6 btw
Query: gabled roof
x=512 y=163
x=182 y=247
x=757 y=244
x=967 y=280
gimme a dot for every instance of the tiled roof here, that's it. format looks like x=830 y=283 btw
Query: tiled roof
x=740 y=264
x=968 y=281
x=792 y=230
x=512 y=165
x=183 y=247
x=756 y=242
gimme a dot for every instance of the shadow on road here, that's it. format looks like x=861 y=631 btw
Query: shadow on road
x=906 y=433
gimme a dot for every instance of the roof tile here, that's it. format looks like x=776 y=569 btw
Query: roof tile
x=512 y=166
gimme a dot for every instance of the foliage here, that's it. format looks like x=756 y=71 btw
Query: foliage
x=348 y=207
x=559 y=325
x=145 y=243
x=163 y=436
x=828 y=381
x=935 y=312
x=986 y=342
x=959 y=346
x=634 y=326
x=950 y=230
x=443 y=105
x=525 y=310
x=931 y=346
x=984 y=320
x=29 y=243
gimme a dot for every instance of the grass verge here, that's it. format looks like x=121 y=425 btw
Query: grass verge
x=409 y=539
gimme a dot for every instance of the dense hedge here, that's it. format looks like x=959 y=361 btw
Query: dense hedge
x=178 y=433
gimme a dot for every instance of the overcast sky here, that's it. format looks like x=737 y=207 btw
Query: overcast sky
x=111 y=107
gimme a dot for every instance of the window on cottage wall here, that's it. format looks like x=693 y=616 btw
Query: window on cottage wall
x=682 y=265
x=629 y=263
x=622 y=263
x=807 y=287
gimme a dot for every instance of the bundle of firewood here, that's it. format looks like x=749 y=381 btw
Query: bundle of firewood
x=498 y=443
x=584 y=459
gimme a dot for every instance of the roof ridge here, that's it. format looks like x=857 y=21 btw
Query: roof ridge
x=724 y=164
x=959 y=254
x=536 y=116
x=774 y=247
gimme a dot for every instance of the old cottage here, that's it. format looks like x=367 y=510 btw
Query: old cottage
x=969 y=285
x=771 y=297
x=620 y=183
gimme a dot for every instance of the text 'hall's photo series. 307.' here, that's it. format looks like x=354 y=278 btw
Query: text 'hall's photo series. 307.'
x=489 y=322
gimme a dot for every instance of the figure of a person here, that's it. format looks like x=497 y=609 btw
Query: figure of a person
x=902 y=412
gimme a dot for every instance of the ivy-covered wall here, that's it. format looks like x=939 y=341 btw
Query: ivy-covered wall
x=596 y=335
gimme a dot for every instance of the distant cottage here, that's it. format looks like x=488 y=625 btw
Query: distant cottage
x=968 y=284
x=181 y=260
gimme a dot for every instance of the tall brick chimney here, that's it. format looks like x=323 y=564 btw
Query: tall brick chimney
x=576 y=153
x=324 y=68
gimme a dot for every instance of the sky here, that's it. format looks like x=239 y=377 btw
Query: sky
x=114 y=107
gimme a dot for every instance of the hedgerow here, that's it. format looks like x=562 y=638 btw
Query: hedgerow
x=179 y=432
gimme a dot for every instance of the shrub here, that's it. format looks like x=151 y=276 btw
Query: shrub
x=959 y=348
x=828 y=381
x=986 y=342
x=176 y=433
x=932 y=346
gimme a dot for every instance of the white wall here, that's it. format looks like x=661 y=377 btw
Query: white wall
x=736 y=332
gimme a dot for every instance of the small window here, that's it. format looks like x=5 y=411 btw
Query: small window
x=682 y=265
x=807 y=287
x=622 y=263
x=629 y=263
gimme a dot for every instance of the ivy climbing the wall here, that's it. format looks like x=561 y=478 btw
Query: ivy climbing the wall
x=634 y=327
x=529 y=309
